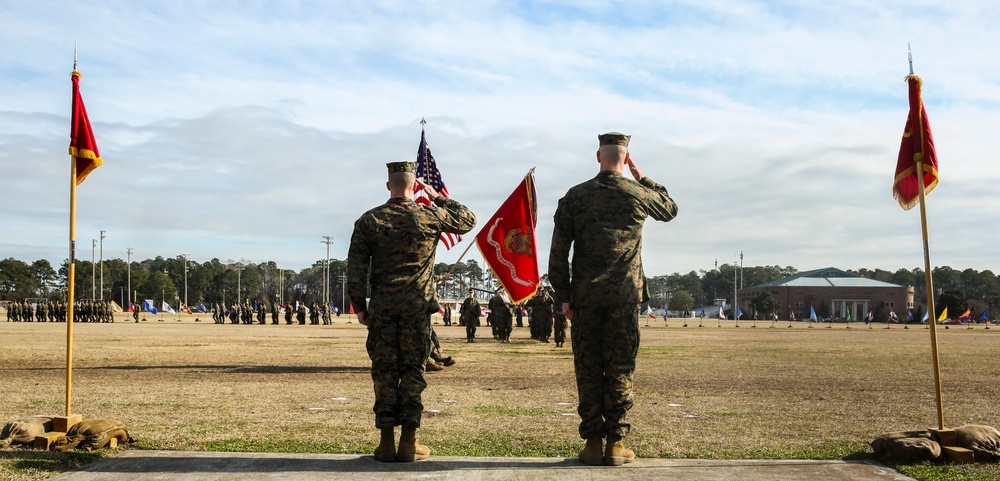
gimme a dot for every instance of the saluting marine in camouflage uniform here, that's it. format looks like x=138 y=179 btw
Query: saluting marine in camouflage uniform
x=392 y=249
x=601 y=220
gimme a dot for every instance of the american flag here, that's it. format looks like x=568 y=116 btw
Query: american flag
x=428 y=172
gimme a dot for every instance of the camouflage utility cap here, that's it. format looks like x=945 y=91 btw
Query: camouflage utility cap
x=402 y=167
x=614 y=138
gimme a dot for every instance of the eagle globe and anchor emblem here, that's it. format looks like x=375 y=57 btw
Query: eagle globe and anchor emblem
x=515 y=241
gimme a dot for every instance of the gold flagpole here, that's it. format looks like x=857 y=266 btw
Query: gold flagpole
x=71 y=280
x=918 y=158
x=70 y=284
x=931 y=315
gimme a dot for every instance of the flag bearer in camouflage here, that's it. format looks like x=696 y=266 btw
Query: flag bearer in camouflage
x=601 y=220
x=392 y=252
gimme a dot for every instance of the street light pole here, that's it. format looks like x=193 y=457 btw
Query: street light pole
x=239 y=273
x=343 y=294
x=102 y=263
x=93 y=269
x=163 y=295
x=327 y=239
x=129 y=253
x=185 y=256
x=736 y=308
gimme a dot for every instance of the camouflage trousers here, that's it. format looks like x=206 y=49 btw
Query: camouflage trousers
x=398 y=345
x=605 y=345
x=559 y=331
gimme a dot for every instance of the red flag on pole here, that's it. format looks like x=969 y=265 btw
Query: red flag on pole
x=82 y=145
x=508 y=244
x=917 y=144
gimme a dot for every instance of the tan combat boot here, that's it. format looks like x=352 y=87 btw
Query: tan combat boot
x=409 y=449
x=386 y=449
x=591 y=453
x=433 y=366
x=616 y=454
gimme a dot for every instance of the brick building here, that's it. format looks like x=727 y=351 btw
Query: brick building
x=832 y=293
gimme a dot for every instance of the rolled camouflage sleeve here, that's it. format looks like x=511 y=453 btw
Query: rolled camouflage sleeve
x=455 y=217
x=659 y=204
x=358 y=265
x=562 y=240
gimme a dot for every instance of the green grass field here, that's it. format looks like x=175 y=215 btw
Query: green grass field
x=701 y=392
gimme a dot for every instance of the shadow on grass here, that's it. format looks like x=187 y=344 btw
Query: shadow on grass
x=950 y=472
x=49 y=461
x=226 y=369
x=860 y=456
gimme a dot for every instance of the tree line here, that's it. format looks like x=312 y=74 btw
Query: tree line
x=177 y=279
x=163 y=279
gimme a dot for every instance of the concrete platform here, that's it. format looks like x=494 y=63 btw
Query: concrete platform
x=217 y=466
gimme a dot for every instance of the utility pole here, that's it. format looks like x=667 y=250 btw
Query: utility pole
x=327 y=239
x=102 y=263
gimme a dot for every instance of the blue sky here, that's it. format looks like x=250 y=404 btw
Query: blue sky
x=247 y=130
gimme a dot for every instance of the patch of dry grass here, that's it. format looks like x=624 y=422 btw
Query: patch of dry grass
x=700 y=392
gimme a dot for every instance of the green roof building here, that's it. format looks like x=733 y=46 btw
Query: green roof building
x=832 y=293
